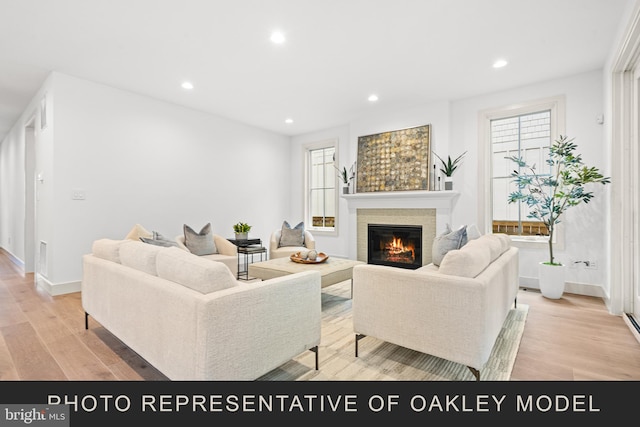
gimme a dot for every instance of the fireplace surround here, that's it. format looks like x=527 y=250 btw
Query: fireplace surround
x=430 y=209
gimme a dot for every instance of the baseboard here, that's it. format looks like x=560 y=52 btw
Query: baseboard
x=569 y=287
x=59 y=288
x=14 y=259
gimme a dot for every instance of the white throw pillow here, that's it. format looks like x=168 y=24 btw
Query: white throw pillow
x=473 y=232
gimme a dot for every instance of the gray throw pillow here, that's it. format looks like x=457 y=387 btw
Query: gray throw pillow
x=292 y=236
x=159 y=240
x=447 y=241
x=199 y=243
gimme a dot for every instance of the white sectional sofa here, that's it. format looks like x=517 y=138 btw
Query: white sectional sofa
x=191 y=319
x=454 y=311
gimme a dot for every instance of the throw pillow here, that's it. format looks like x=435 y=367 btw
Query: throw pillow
x=446 y=242
x=201 y=243
x=473 y=232
x=159 y=240
x=292 y=236
x=137 y=232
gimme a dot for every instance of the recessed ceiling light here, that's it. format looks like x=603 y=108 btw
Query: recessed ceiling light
x=288 y=121
x=277 y=37
x=499 y=63
x=187 y=85
x=373 y=98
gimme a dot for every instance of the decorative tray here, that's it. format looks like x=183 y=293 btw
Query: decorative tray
x=322 y=257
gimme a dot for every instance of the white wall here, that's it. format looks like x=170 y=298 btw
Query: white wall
x=140 y=160
x=455 y=130
x=436 y=114
x=12 y=175
x=585 y=225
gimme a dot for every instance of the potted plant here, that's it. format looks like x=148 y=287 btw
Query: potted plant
x=241 y=230
x=448 y=168
x=549 y=195
x=346 y=177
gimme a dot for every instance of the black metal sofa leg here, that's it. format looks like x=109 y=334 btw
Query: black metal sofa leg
x=315 y=350
x=475 y=372
x=358 y=338
x=86 y=320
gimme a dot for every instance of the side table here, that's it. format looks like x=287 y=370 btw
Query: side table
x=245 y=242
x=247 y=250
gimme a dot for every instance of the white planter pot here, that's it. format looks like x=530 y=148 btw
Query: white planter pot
x=551 y=280
x=448 y=183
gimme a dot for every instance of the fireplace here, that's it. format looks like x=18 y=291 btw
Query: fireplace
x=395 y=245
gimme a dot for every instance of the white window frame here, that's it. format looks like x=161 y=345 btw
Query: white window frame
x=307 y=148
x=556 y=105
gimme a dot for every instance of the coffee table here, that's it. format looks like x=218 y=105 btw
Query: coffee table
x=332 y=271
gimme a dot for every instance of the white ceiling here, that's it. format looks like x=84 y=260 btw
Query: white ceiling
x=337 y=52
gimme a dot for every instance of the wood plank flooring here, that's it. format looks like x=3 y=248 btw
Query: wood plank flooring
x=42 y=337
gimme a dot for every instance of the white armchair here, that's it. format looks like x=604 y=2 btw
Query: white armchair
x=276 y=251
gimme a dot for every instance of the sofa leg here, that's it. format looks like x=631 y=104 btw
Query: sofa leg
x=86 y=320
x=315 y=350
x=358 y=338
x=475 y=372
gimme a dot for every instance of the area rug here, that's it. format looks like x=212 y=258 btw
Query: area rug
x=383 y=361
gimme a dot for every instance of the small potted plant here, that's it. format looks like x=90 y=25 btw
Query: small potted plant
x=548 y=195
x=241 y=230
x=448 y=168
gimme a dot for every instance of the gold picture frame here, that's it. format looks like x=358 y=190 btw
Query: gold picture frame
x=397 y=160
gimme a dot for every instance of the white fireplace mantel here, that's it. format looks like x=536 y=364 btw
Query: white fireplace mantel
x=403 y=199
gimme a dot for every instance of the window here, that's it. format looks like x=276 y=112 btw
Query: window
x=320 y=187
x=527 y=136
x=526 y=130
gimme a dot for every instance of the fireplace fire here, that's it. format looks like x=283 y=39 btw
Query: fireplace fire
x=395 y=245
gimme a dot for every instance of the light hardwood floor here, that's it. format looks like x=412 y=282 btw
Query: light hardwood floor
x=43 y=338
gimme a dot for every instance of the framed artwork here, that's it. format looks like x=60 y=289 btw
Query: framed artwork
x=397 y=160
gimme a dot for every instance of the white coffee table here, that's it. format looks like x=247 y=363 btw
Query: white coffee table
x=332 y=271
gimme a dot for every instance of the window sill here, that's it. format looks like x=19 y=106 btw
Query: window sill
x=320 y=231
x=532 y=242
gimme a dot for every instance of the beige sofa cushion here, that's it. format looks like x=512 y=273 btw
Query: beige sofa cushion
x=468 y=261
x=140 y=256
x=108 y=249
x=193 y=271
x=505 y=241
x=493 y=244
